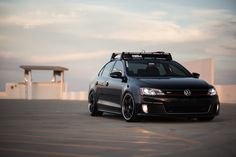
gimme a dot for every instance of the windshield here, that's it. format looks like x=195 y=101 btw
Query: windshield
x=155 y=68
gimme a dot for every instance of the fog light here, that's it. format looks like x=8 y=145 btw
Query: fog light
x=145 y=108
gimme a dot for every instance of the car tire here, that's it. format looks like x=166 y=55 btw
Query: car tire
x=129 y=109
x=205 y=118
x=92 y=105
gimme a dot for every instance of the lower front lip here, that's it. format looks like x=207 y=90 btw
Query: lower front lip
x=149 y=105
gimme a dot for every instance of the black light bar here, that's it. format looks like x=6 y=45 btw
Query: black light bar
x=141 y=55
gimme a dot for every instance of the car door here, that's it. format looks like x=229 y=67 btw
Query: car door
x=115 y=86
x=101 y=84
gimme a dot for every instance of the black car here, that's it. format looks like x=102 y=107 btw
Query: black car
x=151 y=84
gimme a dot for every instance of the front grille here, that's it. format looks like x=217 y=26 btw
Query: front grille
x=187 y=108
x=180 y=93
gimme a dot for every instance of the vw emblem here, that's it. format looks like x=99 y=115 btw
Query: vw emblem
x=187 y=92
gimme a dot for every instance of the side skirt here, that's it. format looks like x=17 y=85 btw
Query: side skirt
x=110 y=107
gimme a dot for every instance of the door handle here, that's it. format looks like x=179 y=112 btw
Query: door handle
x=107 y=83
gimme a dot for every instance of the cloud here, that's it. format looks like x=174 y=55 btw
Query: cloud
x=222 y=50
x=108 y=22
x=68 y=57
x=113 y=23
x=3 y=38
x=217 y=22
x=54 y=58
x=161 y=32
x=33 y=19
x=218 y=14
x=140 y=27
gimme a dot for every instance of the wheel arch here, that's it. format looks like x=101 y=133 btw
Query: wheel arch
x=90 y=91
x=123 y=95
x=134 y=117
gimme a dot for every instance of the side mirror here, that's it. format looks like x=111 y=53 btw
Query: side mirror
x=195 y=75
x=116 y=74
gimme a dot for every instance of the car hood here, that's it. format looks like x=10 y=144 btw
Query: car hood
x=172 y=83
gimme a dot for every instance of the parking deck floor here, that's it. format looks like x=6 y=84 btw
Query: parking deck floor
x=50 y=128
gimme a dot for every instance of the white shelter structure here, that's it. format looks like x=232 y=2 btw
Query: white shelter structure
x=44 y=90
x=28 y=89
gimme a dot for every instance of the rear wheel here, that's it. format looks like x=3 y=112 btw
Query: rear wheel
x=129 y=108
x=92 y=105
x=205 y=118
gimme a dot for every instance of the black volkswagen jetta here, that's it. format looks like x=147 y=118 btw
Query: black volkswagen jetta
x=151 y=84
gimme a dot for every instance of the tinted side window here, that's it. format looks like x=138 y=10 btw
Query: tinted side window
x=118 y=67
x=107 y=69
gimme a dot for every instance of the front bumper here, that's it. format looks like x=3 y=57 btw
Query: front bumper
x=181 y=106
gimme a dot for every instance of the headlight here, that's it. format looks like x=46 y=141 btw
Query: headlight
x=151 y=91
x=212 y=92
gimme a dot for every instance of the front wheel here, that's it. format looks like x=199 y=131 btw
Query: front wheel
x=92 y=105
x=129 y=110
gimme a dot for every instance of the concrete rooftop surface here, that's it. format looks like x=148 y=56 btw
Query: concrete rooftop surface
x=55 y=128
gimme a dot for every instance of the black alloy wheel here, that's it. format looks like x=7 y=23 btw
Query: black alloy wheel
x=92 y=105
x=129 y=108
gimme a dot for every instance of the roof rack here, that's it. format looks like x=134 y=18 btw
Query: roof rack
x=141 y=55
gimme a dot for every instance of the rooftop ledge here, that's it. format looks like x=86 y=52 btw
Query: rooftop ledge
x=37 y=67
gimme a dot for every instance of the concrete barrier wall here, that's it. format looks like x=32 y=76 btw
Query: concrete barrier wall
x=82 y=95
x=3 y=95
x=16 y=90
x=42 y=90
x=227 y=93
x=45 y=90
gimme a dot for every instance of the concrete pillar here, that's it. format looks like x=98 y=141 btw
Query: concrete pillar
x=26 y=83
x=54 y=77
x=62 y=85
x=29 y=85
x=62 y=76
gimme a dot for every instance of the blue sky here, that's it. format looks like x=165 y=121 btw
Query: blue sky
x=82 y=34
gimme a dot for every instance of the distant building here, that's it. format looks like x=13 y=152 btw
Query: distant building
x=53 y=89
